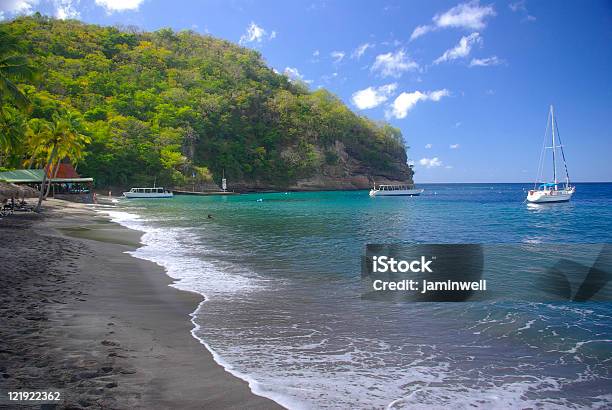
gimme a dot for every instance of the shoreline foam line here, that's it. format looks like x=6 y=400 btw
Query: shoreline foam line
x=118 y=217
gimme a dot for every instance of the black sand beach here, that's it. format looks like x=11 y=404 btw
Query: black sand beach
x=79 y=316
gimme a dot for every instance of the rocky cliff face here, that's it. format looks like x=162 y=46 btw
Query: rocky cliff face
x=348 y=173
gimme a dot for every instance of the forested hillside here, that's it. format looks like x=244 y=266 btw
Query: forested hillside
x=183 y=108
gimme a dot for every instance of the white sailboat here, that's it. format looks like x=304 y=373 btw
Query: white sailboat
x=554 y=191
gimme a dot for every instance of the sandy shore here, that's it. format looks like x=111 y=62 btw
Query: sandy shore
x=80 y=316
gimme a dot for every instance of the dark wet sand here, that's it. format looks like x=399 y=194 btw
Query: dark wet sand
x=80 y=316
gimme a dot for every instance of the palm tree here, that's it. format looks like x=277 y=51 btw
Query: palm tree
x=37 y=136
x=13 y=67
x=12 y=127
x=63 y=140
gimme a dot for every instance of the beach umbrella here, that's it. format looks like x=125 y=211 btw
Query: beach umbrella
x=27 y=192
x=9 y=190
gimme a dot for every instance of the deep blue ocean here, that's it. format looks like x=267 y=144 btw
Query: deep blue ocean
x=284 y=311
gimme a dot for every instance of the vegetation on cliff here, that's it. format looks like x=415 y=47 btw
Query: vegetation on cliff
x=180 y=107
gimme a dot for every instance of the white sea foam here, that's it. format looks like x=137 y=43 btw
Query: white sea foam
x=127 y=219
x=513 y=395
x=306 y=365
x=578 y=345
x=165 y=247
x=527 y=325
x=177 y=250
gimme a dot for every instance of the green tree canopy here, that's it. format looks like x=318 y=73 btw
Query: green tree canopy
x=162 y=104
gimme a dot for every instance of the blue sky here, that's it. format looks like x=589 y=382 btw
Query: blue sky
x=468 y=83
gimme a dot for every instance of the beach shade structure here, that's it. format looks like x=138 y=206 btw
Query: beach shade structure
x=27 y=192
x=9 y=190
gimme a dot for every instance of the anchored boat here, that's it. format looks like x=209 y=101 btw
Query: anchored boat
x=552 y=191
x=155 y=192
x=395 y=190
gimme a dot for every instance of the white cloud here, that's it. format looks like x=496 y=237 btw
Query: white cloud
x=315 y=56
x=1 y=15
x=337 y=56
x=521 y=7
x=316 y=6
x=430 y=162
x=438 y=94
x=420 y=30
x=393 y=64
x=272 y=35
x=358 y=52
x=119 y=5
x=470 y=15
x=394 y=43
x=294 y=75
x=517 y=6
x=66 y=9
x=328 y=77
x=406 y=101
x=428 y=146
x=462 y=49
x=17 y=6
x=483 y=62
x=453 y=146
x=253 y=34
x=372 y=97
x=449 y=167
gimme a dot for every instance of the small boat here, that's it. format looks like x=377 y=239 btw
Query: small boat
x=554 y=191
x=155 y=192
x=395 y=190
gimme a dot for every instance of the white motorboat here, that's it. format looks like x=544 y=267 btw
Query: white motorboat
x=551 y=192
x=395 y=190
x=155 y=192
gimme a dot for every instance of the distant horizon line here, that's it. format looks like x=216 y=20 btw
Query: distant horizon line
x=528 y=182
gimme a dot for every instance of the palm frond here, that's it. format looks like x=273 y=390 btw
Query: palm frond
x=16 y=67
x=8 y=89
x=8 y=43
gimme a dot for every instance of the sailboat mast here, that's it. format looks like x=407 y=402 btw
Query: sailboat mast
x=554 y=148
x=562 y=156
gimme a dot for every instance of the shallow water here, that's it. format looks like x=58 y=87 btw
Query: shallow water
x=283 y=309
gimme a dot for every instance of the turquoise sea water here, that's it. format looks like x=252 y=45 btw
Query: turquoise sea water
x=283 y=310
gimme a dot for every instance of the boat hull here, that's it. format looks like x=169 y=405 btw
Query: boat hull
x=539 y=197
x=399 y=192
x=133 y=195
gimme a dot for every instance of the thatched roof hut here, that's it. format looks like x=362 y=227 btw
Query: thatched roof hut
x=8 y=191
x=27 y=191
